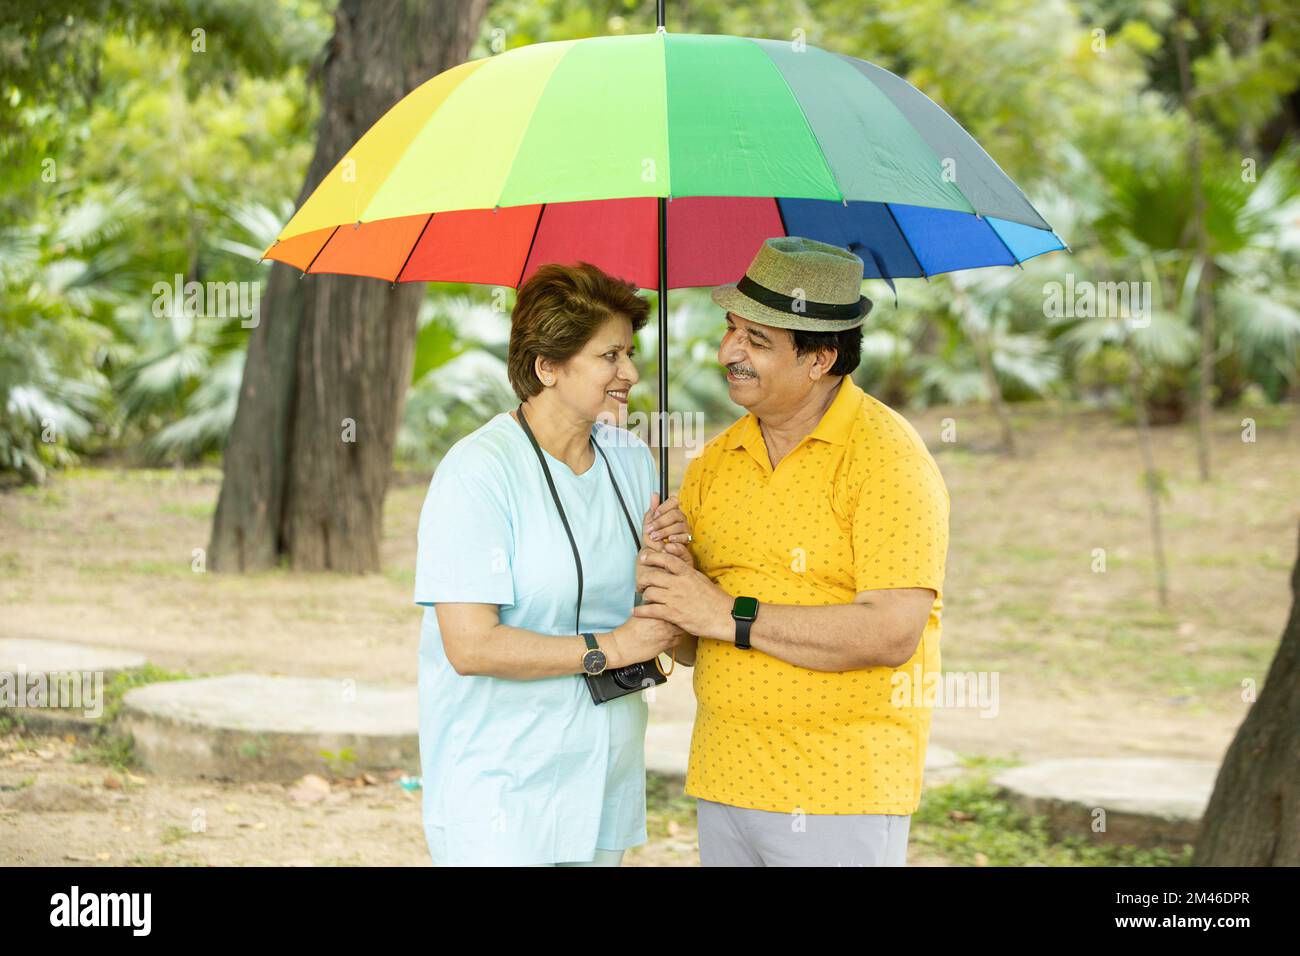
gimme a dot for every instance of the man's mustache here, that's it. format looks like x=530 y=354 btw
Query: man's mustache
x=741 y=370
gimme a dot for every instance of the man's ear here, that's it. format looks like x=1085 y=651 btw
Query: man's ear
x=823 y=359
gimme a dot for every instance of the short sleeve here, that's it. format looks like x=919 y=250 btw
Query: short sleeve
x=465 y=540
x=900 y=527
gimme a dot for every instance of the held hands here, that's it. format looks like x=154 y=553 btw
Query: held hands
x=639 y=639
x=674 y=591
x=663 y=524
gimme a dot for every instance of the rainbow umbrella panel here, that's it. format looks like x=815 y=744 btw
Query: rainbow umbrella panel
x=560 y=152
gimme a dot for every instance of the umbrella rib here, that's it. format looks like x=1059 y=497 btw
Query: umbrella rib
x=1014 y=261
x=319 y=251
x=529 y=254
x=410 y=252
x=907 y=242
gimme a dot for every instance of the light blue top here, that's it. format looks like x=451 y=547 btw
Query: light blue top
x=523 y=772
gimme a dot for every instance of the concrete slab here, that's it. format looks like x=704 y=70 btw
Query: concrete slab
x=257 y=727
x=32 y=655
x=58 y=686
x=1145 y=801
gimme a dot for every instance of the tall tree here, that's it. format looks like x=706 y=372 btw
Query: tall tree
x=1253 y=818
x=310 y=452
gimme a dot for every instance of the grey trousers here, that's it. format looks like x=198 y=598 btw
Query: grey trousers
x=736 y=836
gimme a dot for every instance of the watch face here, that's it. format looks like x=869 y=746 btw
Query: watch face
x=745 y=608
x=593 y=662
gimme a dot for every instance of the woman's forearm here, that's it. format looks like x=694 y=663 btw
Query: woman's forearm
x=517 y=654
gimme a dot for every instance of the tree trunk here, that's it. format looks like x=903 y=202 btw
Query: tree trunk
x=301 y=482
x=1253 y=818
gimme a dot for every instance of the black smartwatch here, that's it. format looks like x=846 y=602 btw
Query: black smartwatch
x=743 y=612
x=593 y=662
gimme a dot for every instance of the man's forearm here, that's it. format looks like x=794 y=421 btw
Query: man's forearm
x=833 y=637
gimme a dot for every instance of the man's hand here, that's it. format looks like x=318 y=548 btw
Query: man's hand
x=674 y=591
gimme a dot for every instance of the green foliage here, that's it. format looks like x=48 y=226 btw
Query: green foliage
x=968 y=823
x=141 y=141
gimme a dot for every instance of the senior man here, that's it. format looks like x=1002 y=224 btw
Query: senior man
x=820 y=526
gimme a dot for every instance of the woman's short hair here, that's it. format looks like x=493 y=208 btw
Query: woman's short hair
x=557 y=312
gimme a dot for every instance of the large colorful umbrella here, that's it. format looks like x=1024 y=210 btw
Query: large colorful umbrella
x=665 y=159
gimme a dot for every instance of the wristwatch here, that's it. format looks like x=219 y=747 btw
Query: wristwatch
x=593 y=661
x=743 y=611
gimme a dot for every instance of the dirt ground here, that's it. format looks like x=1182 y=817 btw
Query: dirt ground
x=1088 y=662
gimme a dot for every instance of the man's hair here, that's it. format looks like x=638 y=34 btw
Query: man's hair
x=848 y=346
x=556 y=313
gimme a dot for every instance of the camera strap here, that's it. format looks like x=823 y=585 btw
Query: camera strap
x=555 y=496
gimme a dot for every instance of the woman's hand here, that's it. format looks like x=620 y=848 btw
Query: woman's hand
x=638 y=639
x=664 y=523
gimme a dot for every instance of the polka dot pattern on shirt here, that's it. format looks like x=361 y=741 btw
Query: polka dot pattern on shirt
x=857 y=505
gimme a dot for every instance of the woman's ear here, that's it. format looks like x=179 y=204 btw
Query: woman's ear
x=544 y=370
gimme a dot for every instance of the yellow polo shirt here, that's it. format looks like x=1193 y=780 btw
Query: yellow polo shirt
x=857 y=505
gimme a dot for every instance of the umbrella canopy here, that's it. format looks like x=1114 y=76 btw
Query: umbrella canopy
x=559 y=152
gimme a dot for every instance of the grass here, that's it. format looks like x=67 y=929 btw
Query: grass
x=666 y=803
x=107 y=747
x=966 y=823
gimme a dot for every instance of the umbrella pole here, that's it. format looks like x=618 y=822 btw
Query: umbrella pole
x=663 y=345
x=663 y=323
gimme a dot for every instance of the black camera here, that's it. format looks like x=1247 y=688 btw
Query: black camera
x=616 y=682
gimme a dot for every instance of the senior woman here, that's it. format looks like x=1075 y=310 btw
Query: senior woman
x=519 y=766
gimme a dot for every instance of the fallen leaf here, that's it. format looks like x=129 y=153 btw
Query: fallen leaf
x=112 y=783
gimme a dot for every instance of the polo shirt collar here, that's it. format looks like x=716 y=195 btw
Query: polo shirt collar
x=834 y=427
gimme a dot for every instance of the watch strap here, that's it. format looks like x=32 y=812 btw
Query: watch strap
x=742 y=633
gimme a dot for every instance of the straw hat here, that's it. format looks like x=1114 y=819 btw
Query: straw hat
x=798 y=283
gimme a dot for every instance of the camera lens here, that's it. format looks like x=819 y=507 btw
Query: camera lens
x=630 y=677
